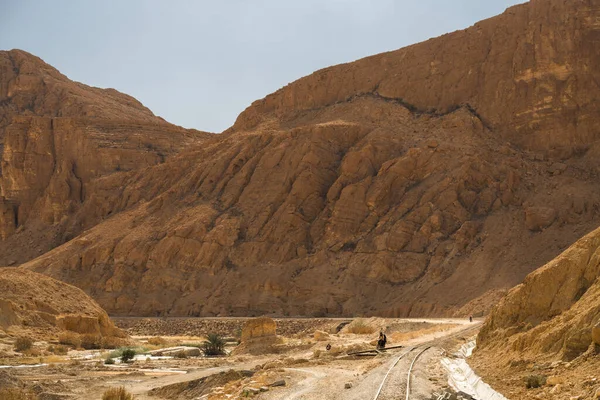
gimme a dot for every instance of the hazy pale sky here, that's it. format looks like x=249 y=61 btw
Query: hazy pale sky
x=200 y=63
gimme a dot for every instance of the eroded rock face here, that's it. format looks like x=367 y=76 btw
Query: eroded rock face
x=42 y=306
x=554 y=311
x=60 y=140
x=530 y=74
x=407 y=183
x=259 y=328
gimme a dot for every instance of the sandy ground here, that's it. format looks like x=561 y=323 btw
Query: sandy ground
x=308 y=369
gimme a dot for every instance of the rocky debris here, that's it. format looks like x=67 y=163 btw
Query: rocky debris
x=197 y=387
x=348 y=385
x=264 y=388
x=40 y=306
x=321 y=336
x=278 y=383
x=555 y=380
x=259 y=328
x=596 y=334
x=174 y=351
x=287 y=327
x=251 y=390
x=539 y=218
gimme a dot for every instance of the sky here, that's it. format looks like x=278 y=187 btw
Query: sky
x=199 y=63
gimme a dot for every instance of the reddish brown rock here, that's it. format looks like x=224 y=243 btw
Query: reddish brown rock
x=328 y=197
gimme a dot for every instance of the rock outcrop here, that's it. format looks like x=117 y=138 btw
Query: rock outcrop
x=554 y=311
x=37 y=305
x=407 y=183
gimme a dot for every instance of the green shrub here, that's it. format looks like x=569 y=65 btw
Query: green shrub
x=58 y=349
x=214 y=345
x=109 y=361
x=127 y=355
x=23 y=344
x=535 y=381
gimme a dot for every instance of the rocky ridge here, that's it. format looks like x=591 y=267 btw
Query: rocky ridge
x=407 y=183
x=63 y=144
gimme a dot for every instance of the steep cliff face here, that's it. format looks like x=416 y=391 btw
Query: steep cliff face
x=404 y=184
x=532 y=74
x=58 y=137
x=361 y=208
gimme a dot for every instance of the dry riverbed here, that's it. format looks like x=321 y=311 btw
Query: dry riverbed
x=308 y=359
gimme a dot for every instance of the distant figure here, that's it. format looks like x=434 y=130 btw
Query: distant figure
x=470 y=318
x=382 y=340
x=328 y=346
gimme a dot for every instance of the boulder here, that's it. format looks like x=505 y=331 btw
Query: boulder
x=555 y=380
x=539 y=218
x=259 y=328
x=172 y=351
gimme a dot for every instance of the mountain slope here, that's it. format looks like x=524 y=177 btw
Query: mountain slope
x=58 y=140
x=406 y=184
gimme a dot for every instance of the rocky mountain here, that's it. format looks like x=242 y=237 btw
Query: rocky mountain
x=38 y=306
x=421 y=181
x=64 y=144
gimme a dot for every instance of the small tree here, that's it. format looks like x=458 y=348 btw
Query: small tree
x=214 y=345
x=127 y=355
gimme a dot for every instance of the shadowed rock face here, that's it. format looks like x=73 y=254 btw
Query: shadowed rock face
x=404 y=184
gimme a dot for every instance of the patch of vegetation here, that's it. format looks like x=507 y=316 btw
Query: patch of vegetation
x=23 y=344
x=119 y=352
x=214 y=345
x=535 y=381
x=127 y=355
x=112 y=342
x=117 y=394
x=109 y=361
x=157 y=341
x=359 y=327
x=90 y=341
x=58 y=349
x=181 y=354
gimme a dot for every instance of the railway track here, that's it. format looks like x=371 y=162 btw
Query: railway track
x=396 y=383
